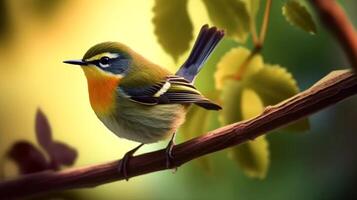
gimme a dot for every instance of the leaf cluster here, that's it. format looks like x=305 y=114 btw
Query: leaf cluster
x=51 y=155
x=245 y=83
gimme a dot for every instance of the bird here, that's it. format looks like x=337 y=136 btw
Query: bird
x=142 y=101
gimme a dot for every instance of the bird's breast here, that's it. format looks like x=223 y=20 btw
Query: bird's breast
x=144 y=124
x=102 y=93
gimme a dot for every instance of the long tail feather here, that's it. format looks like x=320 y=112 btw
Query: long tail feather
x=206 y=41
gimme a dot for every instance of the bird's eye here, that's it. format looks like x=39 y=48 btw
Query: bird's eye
x=104 y=61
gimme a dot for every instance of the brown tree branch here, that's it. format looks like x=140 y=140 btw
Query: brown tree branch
x=333 y=88
x=335 y=19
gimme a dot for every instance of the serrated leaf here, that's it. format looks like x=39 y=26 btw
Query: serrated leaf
x=230 y=64
x=231 y=97
x=252 y=156
x=173 y=26
x=240 y=103
x=297 y=15
x=231 y=15
x=205 y=81
x=197 y=123
x=274 y=84
x=251 y=105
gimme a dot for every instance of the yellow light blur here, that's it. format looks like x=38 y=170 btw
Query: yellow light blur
x=32 y=74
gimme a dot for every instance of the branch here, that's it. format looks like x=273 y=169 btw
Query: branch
x=333 y=88
x=258 y=42
x=337 y=22
x=264 y=28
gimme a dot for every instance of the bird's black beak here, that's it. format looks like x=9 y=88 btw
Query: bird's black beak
x=75 y=62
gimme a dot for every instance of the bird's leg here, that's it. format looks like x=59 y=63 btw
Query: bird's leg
x=124 y=161
x=169 y=153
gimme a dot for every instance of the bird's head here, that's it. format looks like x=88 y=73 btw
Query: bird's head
x=108 y=59
x=104 y=65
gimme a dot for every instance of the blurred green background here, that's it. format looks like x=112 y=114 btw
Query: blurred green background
x=37 y=35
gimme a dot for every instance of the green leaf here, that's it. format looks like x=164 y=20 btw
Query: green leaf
x=252 y=157
x=251 y=104
x=173 y=26
x=230 y=64
x=240 y=103
x=231 y=97
x=274 y=84
x=205 y=81
x=197 y=122
x=297 y=15
x=231 y=15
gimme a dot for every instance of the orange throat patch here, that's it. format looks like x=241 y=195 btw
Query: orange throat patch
x=102 y=90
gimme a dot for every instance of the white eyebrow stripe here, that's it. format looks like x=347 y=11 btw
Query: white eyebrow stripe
x=163 y=89
x=107 y=54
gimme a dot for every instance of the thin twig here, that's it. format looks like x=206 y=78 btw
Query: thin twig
x=258 y=42
x=253 y=30
x=335 y=19
x=333 y=88
x=264 y=28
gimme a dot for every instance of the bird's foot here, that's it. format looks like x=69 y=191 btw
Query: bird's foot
x=123 y=163
x=169 y=155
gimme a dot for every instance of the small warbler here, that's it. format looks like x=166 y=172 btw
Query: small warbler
x=139 y=100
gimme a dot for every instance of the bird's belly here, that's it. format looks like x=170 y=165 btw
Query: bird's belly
x=145 y=124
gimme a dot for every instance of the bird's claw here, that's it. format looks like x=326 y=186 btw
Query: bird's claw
x=122 y=168
x=123 y=163
x=169 y=155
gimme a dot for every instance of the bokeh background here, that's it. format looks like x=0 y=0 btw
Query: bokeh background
x=36 y=36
